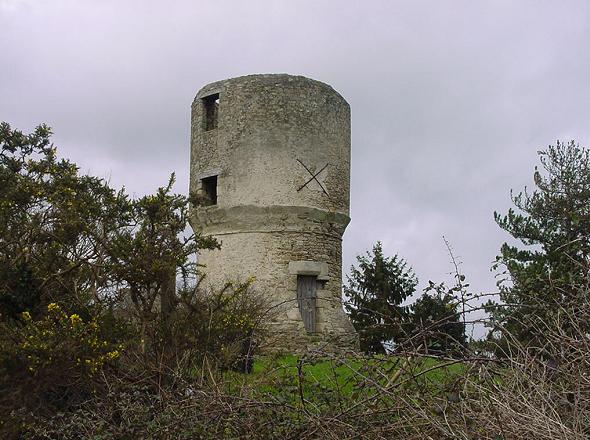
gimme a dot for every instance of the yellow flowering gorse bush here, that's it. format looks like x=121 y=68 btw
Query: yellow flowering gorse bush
x=64 y=341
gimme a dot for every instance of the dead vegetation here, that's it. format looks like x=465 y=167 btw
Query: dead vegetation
x=540 y=392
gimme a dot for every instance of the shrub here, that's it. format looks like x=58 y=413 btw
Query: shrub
x=52 y=363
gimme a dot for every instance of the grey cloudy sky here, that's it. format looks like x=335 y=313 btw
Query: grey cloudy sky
x=450 y=99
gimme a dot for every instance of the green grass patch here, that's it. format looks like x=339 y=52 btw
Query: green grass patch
x=286 y=378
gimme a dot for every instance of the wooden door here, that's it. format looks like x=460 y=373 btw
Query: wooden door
x=306 y=297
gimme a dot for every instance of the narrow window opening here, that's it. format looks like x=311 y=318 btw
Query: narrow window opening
x=306 y=299
x=211 y=107
x=209 y=185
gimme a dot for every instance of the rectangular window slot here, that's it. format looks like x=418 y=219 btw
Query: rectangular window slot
x=211 y=108
x=209 y=185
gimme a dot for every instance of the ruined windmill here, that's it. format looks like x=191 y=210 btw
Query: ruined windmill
x=270 y=159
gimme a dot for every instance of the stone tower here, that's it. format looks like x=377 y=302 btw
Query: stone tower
x=270 y=166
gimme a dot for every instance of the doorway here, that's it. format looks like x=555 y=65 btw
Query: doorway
x=306 y=299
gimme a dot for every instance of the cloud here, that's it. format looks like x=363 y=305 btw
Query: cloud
x=450 y=101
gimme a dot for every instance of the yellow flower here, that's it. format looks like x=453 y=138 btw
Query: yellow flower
x=113 y=355
x=26 y=316
x=53 y=306
x=75 y=319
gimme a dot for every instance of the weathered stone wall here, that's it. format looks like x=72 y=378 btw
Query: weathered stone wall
x=271 y=225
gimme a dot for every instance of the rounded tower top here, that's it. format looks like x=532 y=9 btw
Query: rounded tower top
x=266 y=79
x=271 y=140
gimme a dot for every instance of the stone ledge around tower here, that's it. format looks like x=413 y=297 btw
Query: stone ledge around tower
x=249 y=218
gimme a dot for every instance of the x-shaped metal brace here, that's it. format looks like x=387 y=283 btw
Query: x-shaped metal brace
x=313 y=177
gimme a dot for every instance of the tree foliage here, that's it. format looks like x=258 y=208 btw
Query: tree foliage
x=376 y=290
x=72 y=239
x=52 y=222
x=436 y=320
x=552 y=224
x=88 y=279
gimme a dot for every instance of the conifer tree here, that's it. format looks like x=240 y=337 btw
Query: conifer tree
x=553 y=225
x=376 y=290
